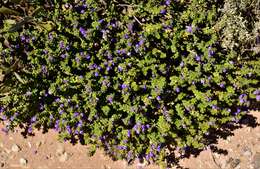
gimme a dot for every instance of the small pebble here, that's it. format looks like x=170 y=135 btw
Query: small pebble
x=64 y=157
x=60 y=150
x=2 y=164
x=38 y=144
x=15 y=148
x=235 y=162
x=257 y=160
x=247 y=152
x=23 y=162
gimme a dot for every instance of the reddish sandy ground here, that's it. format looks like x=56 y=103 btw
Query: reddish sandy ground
x=43 y=151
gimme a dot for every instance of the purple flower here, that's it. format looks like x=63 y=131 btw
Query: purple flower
x=30 y=129
x=128 y=133
x=257 y=92
x=242 y=98
x=122 y=147
x=62 y=46
x=22 y=38
x=83 y=31
x=158 y=98
x=141 y=42
x=61 y=112
x=63 y=56
x=163 y=11
x=238 y=111
x=158 y=149
x=257 y=97
x=177 y=89
x=110 y=99
x=214 y=107
x=222 y=85
x=123 y=86
x=126 y=36
x=68 y=129
x=210 y=52
x=181 y=64
x=33 y=119
x=50 y=36
x=189 y=29
x=197 y=58
x=44 y=69
x=167 y=2
x=57 y=100
x=101 y=20
x=96 y=74
x=76 y=114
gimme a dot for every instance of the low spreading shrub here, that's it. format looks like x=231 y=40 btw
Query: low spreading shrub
x=136 y=78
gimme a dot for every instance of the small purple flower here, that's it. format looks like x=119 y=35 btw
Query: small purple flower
x=62 y=46
x=238 y=111
x=96 y=74
x=110 y=99
x=256 y=92
x=50 y=36
x=30 y=129
x=210 y=52
x=257 y=97
x=76 y=114
x=181 y=64
x=128 y=133
x=22 y=38
x=83 y=31
x=158 y=149
x=122 y=147
x=143 y=127
x=33 y=119
x=214 y=107
x=242 y=98
x=197 y=58
x=123 y=86
x=44 y=69
x=189 y=29
x=202 y=81
x=101 y=20
x=126 y=36
x=167 y=2
x=68 y=129
x=158 y=98
x=63 y=56
x=61 y=112
x=222 y=85
x=163 y=11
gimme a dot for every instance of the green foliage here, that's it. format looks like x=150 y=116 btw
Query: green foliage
x=135 y=78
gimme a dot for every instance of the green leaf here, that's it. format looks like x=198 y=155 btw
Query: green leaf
x=19 y=78
x=8 y=11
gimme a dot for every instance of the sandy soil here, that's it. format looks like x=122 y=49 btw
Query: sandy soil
x=44 y=151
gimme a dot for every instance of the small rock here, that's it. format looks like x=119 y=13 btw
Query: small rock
x=257 y=160
x=38 y=144
x=1 y=145
x=247 y=151
x=64 y=157
x=7 y=151
x=60 y=150
x=2 y=164
x=15 y=148
x=234 y=162
x=29 y=145
x=23 y=162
